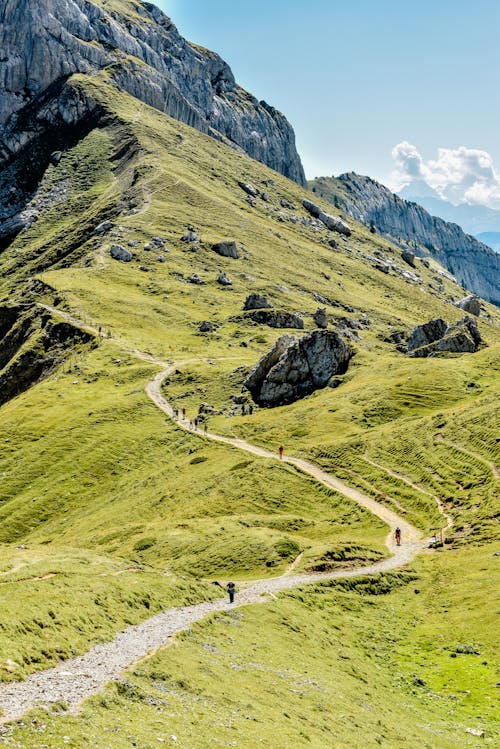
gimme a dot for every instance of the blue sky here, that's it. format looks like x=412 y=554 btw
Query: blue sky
x=357 y=77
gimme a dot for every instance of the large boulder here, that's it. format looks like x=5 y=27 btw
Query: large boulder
x=120 y=253
x=321 y=318
x=331 y=222
x=226 y=249
x=257 y=301
x=297 y=367
x=277 y=319
x=462 y=337
x=471 y=304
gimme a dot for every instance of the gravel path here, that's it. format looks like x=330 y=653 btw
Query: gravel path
x=79 y=678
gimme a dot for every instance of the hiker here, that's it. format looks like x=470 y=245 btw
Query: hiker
x=176 y=413
x=397 y=536
x=231 y=589
x=243 y=410
x=195 y=424
x=280 y=450
x=205 y=428
x=250 y=409
x=183 y=413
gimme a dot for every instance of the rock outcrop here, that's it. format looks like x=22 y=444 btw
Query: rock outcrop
x=475 y=265
x=331 y=222
x=276 y=319
x=257 y=301
x=297 y=367
x=43 y=42
x=470 y=304
x=226 y=249
x=436 y=336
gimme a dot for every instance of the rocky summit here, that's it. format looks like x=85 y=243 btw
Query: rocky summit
x=43 y=42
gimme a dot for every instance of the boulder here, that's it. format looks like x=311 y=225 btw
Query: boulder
x=295 y=367
x=408 y=257
x=196 y=279
x=249 y=189
x=320 y=318
x=207 y=327
x=470 y=304
x=284 y=203
x=118 y=252
x=422 y=335
x=190 y=236
x=257 y=301
x=226 y=249
x=158 y=242
x=224 y=280
x=103 y=226
x=276 y=319
x=335 y=224
x=312 y=208
x=462 y=337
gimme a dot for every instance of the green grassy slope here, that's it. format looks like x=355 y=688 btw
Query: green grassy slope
x=95 y=481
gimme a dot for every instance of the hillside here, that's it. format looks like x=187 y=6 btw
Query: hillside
x=475 y=265
x=110 y=512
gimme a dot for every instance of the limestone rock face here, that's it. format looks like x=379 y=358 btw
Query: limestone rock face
x=297 y=367
x=475 y=265
x=462 y=337
x=46 y=41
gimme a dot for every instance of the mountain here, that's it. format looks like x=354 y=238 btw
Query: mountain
x=43 y=42
x=491 y=238
x=154 y=264
x=473 y=219
x=475 y=265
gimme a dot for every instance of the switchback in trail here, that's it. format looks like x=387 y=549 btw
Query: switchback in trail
x=78 y=678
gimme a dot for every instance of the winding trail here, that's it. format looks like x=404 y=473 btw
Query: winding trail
x=79 y=678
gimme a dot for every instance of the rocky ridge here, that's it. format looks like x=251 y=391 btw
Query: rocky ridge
x=475 y=265
x=44 y=42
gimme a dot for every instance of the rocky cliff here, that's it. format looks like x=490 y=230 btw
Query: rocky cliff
x=475 y=265
x=43 y=42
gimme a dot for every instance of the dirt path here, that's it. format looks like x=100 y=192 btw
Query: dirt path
x=79 y=678
x=491 y=466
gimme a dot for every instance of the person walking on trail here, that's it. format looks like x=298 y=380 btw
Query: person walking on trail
x=280 y=451
x=397 y=536
x=195 y=424
x=231 y=590
x=183 y=413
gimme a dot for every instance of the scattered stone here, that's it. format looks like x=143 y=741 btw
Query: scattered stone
x=467 y=650
x=133 y=243
x=224 y=280
x=104 y=226
x=249 y=189
x=144 y=269
x=296 y=367
x=161 y=259
x=55 y=157
x=265 y=197
x=471 y=304
x=286 y=204
x=148 y=246
x=335 y=224
x=333 y=244
x=408 y=257
x=320 y=318
x=207 y=327
x=118 y=252
x=382 y=267
x=196 y=279
x=257 y=301
x=276 y=319
x=226 y=249
x=190 y=236
x=425 y=262
x=158 y=242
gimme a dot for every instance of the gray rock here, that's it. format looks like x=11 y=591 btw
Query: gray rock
x=103 y=227
x=257 y=301
x=265 y=197
x=226 y=249
x=461 y=337
x=148 y=246
x=118 y=252
x=190 y=236
x=470 y=304
x=44 y=43
x=320 y=318
x=335 y=224
x=408 y=257
x=133 y=243
x=207 y=327
x=296 y=367
x=196 y=279
x=249 y=189
x=276 y=319
x=158 y=242
x=287 y=204
x=161 y=259
x=312 y=208
x=55 y=157
x=224 y=280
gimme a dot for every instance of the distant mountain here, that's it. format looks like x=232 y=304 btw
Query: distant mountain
x=475 y=265
x=474 y=219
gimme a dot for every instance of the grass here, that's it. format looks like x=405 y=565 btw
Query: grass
x=95 y=480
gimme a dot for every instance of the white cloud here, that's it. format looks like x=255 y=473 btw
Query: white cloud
x=460 y=175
